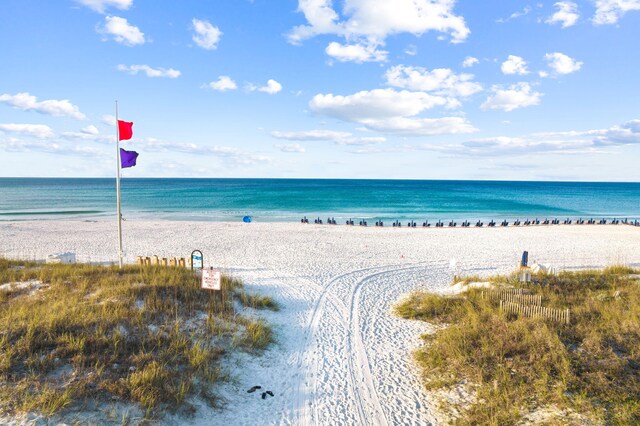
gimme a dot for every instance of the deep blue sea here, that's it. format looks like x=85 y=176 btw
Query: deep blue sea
x=290 y=199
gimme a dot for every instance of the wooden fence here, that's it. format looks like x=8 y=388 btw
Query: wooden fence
x=163 y=261
x=558 y=315
x=509 y=295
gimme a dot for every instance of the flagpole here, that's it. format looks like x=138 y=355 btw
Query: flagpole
x=118 y=190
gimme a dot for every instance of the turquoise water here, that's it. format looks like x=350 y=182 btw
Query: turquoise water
x=290 y=199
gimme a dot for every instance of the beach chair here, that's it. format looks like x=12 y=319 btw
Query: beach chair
x=491 y=224
x=452 y=224
x=516 y=222
x=504 y=223
x=603 y=222
x=479 y=224
x=527 y=222
x=465 y=224
x=426 y=224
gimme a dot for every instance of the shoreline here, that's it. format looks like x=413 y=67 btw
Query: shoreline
x=341 y=219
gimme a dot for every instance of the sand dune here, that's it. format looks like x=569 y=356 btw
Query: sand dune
x=341 y=357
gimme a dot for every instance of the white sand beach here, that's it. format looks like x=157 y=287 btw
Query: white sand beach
x=341 y=356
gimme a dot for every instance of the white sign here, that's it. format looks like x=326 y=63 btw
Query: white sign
x=211 y=280
x=197 y=261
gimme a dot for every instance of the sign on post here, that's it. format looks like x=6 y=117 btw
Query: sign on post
x=211 y=280
x=196 y=259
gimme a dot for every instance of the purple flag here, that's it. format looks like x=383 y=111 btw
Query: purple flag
x=128 y=158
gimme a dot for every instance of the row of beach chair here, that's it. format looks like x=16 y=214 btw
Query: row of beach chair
x=479 y=223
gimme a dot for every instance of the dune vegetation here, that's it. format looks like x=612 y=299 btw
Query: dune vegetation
x=519 y=368
x=76 y=336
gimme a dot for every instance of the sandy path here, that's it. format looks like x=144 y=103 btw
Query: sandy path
x=341 y=357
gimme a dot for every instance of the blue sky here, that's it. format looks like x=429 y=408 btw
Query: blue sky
x=409 y=89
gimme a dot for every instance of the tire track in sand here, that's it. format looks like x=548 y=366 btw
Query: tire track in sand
x=363 y=384
x=307 y=388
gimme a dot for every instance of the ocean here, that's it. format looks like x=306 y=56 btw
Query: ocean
x=290 y=199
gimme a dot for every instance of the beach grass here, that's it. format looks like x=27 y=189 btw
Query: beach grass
x=70 y=334
x=517 y=367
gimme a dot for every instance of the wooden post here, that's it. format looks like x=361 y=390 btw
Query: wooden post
x=154 y=260
x=181 y=262
x=139 y=260
x=147 y=261
x=175 y=299
x=210 y=306
x=172 y=262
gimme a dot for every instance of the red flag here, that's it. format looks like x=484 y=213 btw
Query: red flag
x=125 y=129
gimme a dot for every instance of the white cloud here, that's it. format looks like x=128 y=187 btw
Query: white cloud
x=609 y=11
x=518 y=95
x=567 y=14
x=569 y=142
x=469 y=61
x=422 y=126
x=230 y=154
x=378 y=103
x=90 y=130
x=271 y=88
x=293 y=147
x=122 y=31
x=515 y=15
x=222 y=84
x=370 y=22
x=561 y=63
x=40 y=131
x=51 y=147
x=356 y=52
x=411 y=50
x=109 y=120
x=206 y=35
x=150 y=72
x=101 y=5
x=514 y=65
x=56 y=108
x=388 y=110
x=89 y=133
x=339 y=138
x=441 y=81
